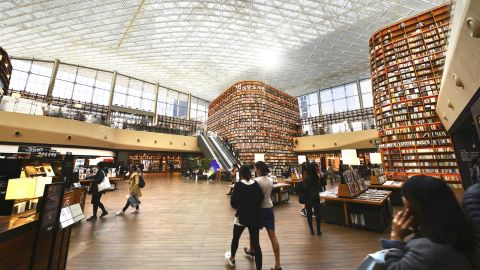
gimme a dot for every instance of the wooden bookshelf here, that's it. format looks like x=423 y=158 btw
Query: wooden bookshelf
x=5 y=71
x=257 y=119
x=407 y=60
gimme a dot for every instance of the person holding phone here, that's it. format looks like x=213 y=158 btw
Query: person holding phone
x=431 y=232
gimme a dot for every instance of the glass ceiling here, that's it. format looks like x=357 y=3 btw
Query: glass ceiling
x=203 y=47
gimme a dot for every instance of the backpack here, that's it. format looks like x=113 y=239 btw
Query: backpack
x=141 y=182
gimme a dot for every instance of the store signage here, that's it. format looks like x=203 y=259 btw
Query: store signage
x=33 y=149
x=40 y=151
x=241 y=87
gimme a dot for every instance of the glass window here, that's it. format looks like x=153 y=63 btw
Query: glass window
x=31 y=76
x=313 y=98
x=326 y=95
x=314 y=110
x=327 y=107
x=338 y=92
x=366 y=86
x=340 y=105
x=367 y=100
x=353 y=103
x=351 y=89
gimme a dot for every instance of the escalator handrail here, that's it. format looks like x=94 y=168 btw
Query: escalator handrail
x=205 y=140
x=218 y=152
x=226 y=151
x=223 y=152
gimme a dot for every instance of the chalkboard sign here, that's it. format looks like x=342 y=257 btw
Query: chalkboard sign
x=52 y=199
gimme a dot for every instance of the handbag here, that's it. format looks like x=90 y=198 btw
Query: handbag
x=105 y=184
x=374 y=261
x=133 y=200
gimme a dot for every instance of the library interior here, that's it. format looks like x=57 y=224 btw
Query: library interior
x=147 y=134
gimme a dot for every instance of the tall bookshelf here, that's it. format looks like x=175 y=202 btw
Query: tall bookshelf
x=257 y=119
x=5 y=71
x=407 y=60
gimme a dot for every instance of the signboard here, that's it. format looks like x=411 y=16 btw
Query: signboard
x=52 y=199
x=40 y=151
x=70 y=215
x=33 y=149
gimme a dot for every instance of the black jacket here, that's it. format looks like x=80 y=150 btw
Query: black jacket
x=247 y=199
x=311 y=189
x=471 y=206
x=96 y=179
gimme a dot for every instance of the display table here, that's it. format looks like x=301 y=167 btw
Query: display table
x=371 y=210
x=293 y=183
x=280 y=193
x=394 y=187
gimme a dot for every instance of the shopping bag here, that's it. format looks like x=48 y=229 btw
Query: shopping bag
x=104 y=185
x=374 y=261
x=133 y=200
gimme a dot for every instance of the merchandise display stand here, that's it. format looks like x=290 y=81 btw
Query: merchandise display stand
x=394 y=187
x=354 y=205
x=370 y=210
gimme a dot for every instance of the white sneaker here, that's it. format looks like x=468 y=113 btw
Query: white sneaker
x=136 y=211
x=120 y=213
x=228 y=260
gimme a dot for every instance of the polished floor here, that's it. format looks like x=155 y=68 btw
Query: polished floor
x=187 y=224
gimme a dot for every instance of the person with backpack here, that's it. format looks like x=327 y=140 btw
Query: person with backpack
x=136 y=182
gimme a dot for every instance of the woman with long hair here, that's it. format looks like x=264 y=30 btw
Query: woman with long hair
x=442 y=237
x=311 y=190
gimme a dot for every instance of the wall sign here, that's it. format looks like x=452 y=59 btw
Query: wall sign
x=33 y=149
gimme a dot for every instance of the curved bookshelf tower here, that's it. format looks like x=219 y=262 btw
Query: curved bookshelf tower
x=257 y=119
x=5 y=71
x=406 y=62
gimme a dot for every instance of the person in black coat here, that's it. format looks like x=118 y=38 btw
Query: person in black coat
x=471 y=207
x=247 y=197
x=311 y=190
x=96 y=196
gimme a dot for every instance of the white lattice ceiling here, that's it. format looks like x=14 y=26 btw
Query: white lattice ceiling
x=203 y=47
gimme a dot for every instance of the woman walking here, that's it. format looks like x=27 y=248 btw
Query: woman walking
x=247 y=197
x=134 y=190
x=311 y=190
x=268 y=217
x=96 y=196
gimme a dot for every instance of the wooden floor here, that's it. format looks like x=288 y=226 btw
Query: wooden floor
x=188 y=225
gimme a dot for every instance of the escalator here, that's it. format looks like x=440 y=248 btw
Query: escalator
x=227 y=154
x=211 y=150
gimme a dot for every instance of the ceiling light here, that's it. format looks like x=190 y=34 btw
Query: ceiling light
x=270 y=59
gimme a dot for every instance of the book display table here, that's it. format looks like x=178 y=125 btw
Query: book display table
x=394 y=187
x=370 y=210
